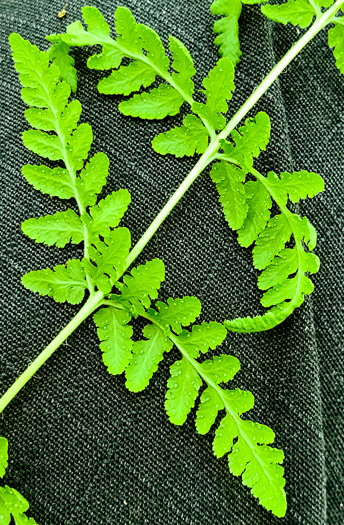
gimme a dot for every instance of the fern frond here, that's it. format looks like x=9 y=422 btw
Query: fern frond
x=63 y=283
x=246 y=442
x=143 y=46
x=285 y=291
x=58 y=136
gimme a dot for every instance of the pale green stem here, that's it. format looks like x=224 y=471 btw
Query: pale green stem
x=83 y=313
x=204 y=160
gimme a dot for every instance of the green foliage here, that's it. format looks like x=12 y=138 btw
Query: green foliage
x=63 y=283
x=296 y=12
x=186 y=140
x=107 y=213
x=59 y=137
x=218 y=89
x=148 y=60
x=245 y=442
x=176 y=313
x=159 y=103
x=228 y=180
x=248 y=141
x=285 y=269
x=142 y=286
x=59 y=54
x=336 y=40
x=59 y=229
x=227 y=28
x=147 y=354
x=115 y=334
x=12 y=503
x=108 y=259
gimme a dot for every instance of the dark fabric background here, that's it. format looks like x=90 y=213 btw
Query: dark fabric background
x=84 y=450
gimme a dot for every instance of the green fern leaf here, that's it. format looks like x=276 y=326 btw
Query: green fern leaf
x=108 y=258
x=269 y=253
x=13 y=503
x=209 y=407
x=55 y=182
x=176 y=313
x=79 y=145
x=59 y=54
x=3 y=456
x=296 y=185
x=127 y=29
x=190 y=138
x=183 y=387
x=259 y=203
x=295 y=12
x=155 y=50
x=141 y=286
x=158 y=104
x=250 y=140
x=202 y=337
x=97 y=30
x=146 y=356
x=110 y=58
x=52 y=113
x=107 y=213
x=218 y=89
x=58 y=229
x=127 y=79
x=63 y=283
x=229 y=183
x=336 y=40
x=261 y=323
x=92 y=179
x=221 y=369
x=254 y=460
x=244 y=441
x=285 y=264
x=115 y=334
x=271 y=240
x=43 y=144
x=182 y=65
x=227 y=28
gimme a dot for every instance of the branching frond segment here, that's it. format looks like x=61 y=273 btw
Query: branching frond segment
x=245 y=442
x=58 y=137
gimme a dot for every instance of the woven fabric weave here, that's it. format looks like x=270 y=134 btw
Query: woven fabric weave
x=83 y=450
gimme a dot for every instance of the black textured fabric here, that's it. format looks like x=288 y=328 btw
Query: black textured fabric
x=84 y=450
